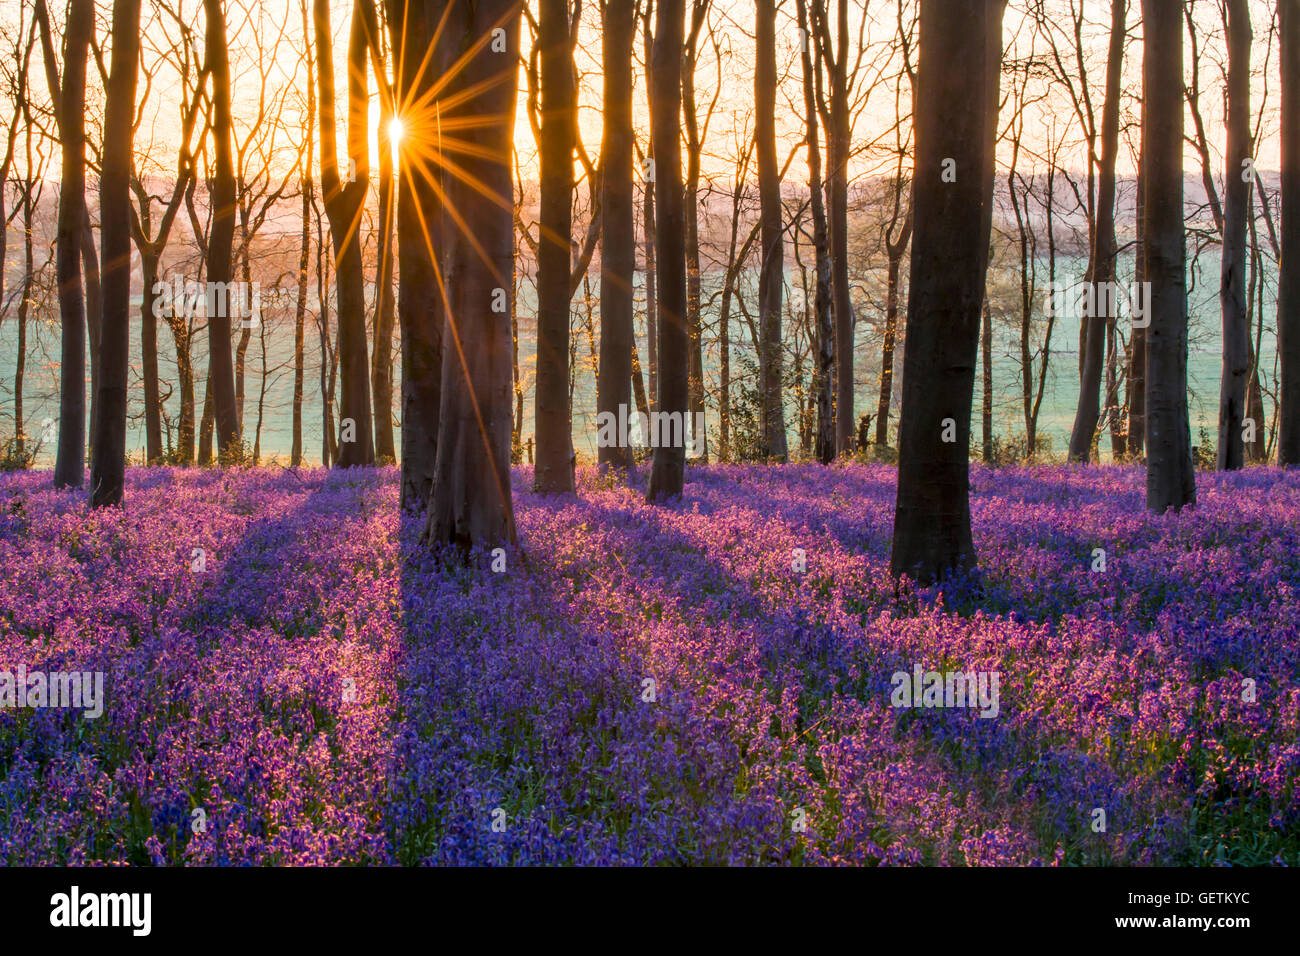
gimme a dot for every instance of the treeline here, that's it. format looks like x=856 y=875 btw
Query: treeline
x=968 y=125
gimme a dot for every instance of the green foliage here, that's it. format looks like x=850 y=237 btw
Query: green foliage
x=746 y=408
x=14 y=458
x=1205 y=455
x=1008 y=452
x=875 y=453
x=236 y=456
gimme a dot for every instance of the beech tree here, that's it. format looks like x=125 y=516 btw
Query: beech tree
x=1171 y=483
x=220 y=266
x=419 y=39
x=618 y=228
x=306 y=156
x=69 y=99
x=345 y=194
x=1238 y=182
x=955 y=126
x=824 y=377
x=833 y=51
x=668 y=466
x=381 y=355
x=30 y=188
x=897 y=234
x=1101 y=266
x=694 y=144
x=1288 y=300
x=1137 y=370
x=772 y=264
x=554 y=471
x=108 y=463
x=471 y=504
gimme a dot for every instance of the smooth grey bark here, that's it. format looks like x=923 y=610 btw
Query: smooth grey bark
x=1137 y=364
x=824 y=380
x=694 y=144
x=471 y=504
x=420 y=294
x=553 y=424
x=667 y=469
x=837 y=189
x=960 y=47
x=345 y=195
x=895 y=248
x=986 y=368
x=299 y=322
x=1171 y=483
x=771 y=281
x=108 y=462
x=381 y=356
x=1101 y=268
x=70 y=99
x=618 y=230
x=1238 y=182
x=1288 y=304
x=220 y=271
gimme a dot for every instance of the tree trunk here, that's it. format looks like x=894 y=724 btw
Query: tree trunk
x=651 y=288
x=1257 y=450
x=638 y=385
x=667 y=471
x=694 y=146
x=70 y=460
x=838 y=203
x=245 y=328
x=553 y=426
x=960 y=49
x=471 y=504
x=328 y=356
x=1101 y=267
x=221 y=372
x=1238 y=181
x=149 y=267
x=771 y=281
x=724 y=325
x=381 y=359
x=185 y=425
x=1288 y=304
x=24 y=302
x=94 y=309
x=648 y=215
x=986 y=407
x=1137 y=364
x=1170 y=480
x=299 y=322
x=895 y=249
x=345 y=195
x=304 y=255
x=618 y=228
x=420 y=292
x=824 y=382
x=206 y=423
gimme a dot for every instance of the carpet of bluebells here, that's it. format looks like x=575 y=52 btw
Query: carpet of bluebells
x=326 y=692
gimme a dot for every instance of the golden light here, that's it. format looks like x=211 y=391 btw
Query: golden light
x=395 y=131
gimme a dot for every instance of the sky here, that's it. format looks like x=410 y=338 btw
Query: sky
x=723 y=85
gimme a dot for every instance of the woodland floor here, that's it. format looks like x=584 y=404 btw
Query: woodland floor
x=651 y=684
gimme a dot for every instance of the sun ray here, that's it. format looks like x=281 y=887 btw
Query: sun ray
x=452 y=324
